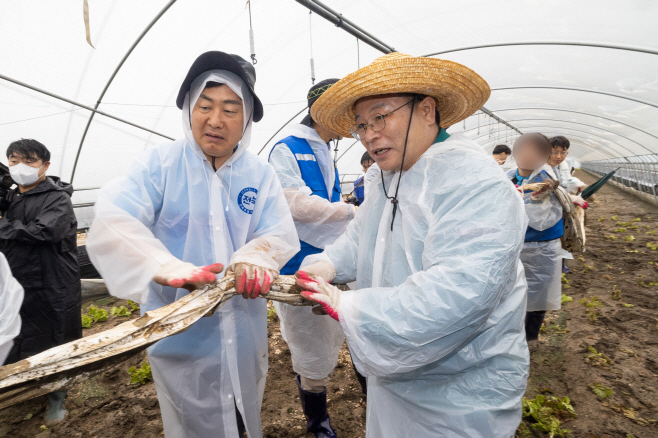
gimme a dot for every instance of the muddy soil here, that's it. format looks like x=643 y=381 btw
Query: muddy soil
x=619 y=270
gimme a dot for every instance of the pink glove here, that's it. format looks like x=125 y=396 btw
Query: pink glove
x=252 y=280
x=177 y=273
x=577 y=200
x=321 y=292
x=518 y=189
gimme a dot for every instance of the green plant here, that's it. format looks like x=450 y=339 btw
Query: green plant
x=547 y=412
x=597 y=359
x=140 y=375
x=630 y=238
x=633 y=227
x=601 y=219
x=565 y=299
x=611 y=237
x=619 y=230
x=628 y=305
x=653 y=246
x=609 y=267
x=565 y=280
x=593 y=315
x=600 y=391
x=133 y=305
x=652 y=232
x=120 y=311
x=616 y=293
x=637 y=219
x=592 y=302
x=271 y=313
x=43 y=427
x=642 y=283
x=587 y=268
x=614 y=218
x=87 y=321
x=97 y=314
x=523 y=431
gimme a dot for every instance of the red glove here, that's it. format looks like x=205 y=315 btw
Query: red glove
x=252 y=280
x=177 y=273
x=321 y=292
x=577 y=200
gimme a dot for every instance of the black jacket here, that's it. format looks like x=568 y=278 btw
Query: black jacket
x=38 y=237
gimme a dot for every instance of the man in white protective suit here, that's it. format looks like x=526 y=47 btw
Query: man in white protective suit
x=11 y=298
x=182 y=211
x=307 y=172
x=436 y=324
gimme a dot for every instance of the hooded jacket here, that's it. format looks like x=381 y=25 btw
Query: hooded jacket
x=38 y=238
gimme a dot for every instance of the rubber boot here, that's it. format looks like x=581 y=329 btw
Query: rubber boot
x=56 y=411
x=315 y=409
x=533 y=323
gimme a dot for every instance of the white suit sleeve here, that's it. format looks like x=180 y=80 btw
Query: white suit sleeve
x=469 y=256
x=317 y=219
x=11 y=299
x=120 y=243
x=543 y=214
x=346 y=263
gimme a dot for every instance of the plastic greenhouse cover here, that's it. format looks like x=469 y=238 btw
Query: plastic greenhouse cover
x=585 y=69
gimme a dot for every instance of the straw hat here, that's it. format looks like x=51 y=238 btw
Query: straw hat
x=458 y=90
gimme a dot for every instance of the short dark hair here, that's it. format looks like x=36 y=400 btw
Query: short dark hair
x=539 y=140
x=365 y=158
x=28 y=148
x=560 y=141
x=502 y=149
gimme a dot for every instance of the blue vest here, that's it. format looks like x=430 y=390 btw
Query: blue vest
x=532 y=235
x=312 y=176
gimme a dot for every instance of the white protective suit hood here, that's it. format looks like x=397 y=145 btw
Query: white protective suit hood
x=238 y=86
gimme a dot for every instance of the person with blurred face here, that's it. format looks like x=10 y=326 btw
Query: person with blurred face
x=182 y=212
x=38 y=235
x=542 y=248
x=303 y=162
x=435 y=324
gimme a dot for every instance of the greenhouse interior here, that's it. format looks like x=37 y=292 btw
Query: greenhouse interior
x=97 y=82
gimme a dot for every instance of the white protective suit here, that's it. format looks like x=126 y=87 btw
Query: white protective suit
x=11 y=298
x=543 y=260
x=314 y=341
x=436 y=324
x=171 y=204
x=569 y=182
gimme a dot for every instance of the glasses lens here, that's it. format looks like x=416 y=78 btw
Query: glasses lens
x=358 y=131
x=376 y=122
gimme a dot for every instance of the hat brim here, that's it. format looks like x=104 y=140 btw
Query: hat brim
x=216 y=60
x=458 y=90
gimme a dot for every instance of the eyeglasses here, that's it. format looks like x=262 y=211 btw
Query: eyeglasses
x=376 y=122
x=559 y=153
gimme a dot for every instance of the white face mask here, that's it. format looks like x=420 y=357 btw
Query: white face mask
x=23 y=174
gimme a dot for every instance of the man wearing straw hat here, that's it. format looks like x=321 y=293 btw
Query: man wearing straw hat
x=436 y=324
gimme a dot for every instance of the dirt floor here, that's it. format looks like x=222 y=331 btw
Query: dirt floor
x=621 y=326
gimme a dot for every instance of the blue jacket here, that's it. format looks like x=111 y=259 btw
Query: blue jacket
x=533 y=235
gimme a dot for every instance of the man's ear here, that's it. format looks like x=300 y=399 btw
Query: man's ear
x=427 y=108
x=46 y=165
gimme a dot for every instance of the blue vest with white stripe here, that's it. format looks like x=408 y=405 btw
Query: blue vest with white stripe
x=312 y=176
x=531 y=234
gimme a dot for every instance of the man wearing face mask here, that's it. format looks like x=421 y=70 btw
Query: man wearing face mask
x=38 y=237
x=183 y=211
